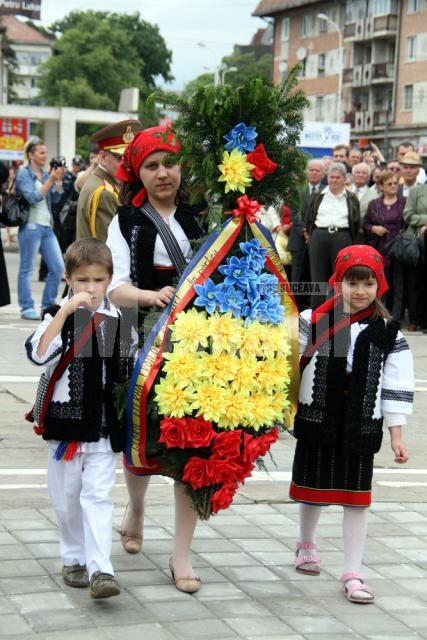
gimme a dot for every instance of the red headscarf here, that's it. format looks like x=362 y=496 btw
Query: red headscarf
x=144 y=143
x=356 y=255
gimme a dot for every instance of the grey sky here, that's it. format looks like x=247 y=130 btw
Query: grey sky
x=183 y=23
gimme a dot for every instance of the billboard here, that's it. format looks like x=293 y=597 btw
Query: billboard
x=319 y=138
x=13 y=134
x=29 y=8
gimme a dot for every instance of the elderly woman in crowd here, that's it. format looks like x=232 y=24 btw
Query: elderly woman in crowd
x=332 y=223
x=383 y=221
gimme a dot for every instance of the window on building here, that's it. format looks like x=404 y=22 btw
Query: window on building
x=408 y=96
x=33 y=83
x=303 y=65
x=318 y=110
x=304 y=26
x=284 y=32
x=413 y=6
x=321 y=64
x=323 y=25
x=411 y=47
x=382 y=7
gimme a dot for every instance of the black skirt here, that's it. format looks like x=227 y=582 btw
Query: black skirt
x=324 y=475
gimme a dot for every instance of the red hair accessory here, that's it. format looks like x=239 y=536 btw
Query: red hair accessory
x=144 y=143
x=359 y=255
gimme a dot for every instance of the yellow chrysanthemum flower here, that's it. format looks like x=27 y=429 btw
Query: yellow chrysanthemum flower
x=235 y=171
x=219 y=367
x=245 y=379
x=283 y=344
x=234 y=410
x=279 y=404
x=260 y=412
x=283 y=369
x=191 y=329
x=251 y=339
x=208 y=401
x=226 y=332
x=173 y=399
x=182 y=366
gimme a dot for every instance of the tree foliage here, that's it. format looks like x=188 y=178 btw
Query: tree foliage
x=247 y=65
x=97 y=54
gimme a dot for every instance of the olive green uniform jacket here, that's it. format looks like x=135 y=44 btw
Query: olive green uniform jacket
x=97 y=205
x=415 y=213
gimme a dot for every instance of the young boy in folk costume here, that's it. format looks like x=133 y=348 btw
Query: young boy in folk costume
x=80 y=422
x=357 y=372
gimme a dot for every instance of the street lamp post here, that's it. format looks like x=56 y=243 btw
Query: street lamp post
x=216 y=68
x=323 y=16
x=226 y=70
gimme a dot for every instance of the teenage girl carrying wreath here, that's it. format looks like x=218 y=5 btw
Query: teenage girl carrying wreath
x=356 y=373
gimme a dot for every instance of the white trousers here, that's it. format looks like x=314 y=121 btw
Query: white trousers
x=80 y=491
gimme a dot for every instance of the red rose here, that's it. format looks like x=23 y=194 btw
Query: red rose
x=223 y=471
x=246 y=469
x=251 y=450
x=199 y=432
x=263 y=164
x=196 y=473
x=172 y=432
x=222 y=498
x=265 y=441
x=227 y=444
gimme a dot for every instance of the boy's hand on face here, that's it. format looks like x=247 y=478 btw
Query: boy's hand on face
x=82 y=299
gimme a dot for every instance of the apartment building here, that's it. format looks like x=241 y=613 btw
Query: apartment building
x=31 y=48
x=364 y=64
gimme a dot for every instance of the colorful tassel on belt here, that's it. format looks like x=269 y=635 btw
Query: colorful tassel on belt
x=67 y=450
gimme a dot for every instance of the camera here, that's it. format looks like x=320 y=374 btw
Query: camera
x=58 y=161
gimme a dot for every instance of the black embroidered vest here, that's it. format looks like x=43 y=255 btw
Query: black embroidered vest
x=140 y=234
x=341 y=413
x=91 y=389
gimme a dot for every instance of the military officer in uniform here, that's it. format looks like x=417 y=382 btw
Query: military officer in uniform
x=98 y=198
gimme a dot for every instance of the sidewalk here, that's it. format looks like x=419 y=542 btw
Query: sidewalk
x=244 y=556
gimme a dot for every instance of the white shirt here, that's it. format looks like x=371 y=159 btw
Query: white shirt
x=333 y=210
x=121 y=253
x=360 y=191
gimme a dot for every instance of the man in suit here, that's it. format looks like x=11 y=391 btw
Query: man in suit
x=297 y=240
x=98 y=198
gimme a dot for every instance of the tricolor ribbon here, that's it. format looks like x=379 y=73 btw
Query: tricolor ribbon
x=149 y=361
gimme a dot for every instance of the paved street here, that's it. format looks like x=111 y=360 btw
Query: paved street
x=244 y=556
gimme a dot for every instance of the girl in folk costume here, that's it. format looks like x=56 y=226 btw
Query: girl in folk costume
x=357 y=372
x=150 y=243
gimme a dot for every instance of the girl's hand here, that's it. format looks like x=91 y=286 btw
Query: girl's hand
x=163 y=297
x=399 y=450
x=82 y=299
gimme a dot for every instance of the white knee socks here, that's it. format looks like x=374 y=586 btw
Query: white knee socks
x=355 y=526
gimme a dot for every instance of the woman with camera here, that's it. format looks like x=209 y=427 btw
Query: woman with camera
x=40 y=189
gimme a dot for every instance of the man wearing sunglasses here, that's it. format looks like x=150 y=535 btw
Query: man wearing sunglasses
x=98 y=198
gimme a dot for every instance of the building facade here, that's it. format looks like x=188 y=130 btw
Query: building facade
x=31 y=49
x=364 y=64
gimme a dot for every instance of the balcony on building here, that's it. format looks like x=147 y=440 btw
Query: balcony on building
x=384 y=26
x=382 y=72
x=348 y=76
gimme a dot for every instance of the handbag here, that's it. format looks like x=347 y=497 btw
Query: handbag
x=405 y=250
x=14 y=208
x=46 y=386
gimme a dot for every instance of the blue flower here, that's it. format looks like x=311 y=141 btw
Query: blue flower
x=206 y=295
x=238 y=273
x=231 y=299
x=241 y=138
x=255 y=253
x=267 y=285
x=270 y=311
